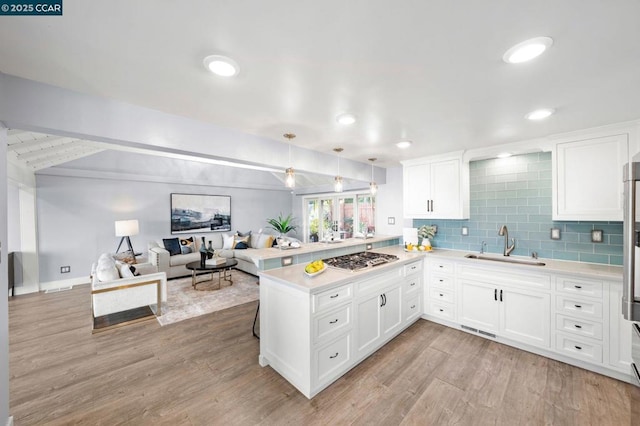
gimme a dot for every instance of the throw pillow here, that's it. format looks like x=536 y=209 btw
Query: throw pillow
x=185 y=249
x=241 y=246
x=265 y=241
x=228 y=241
x=245 y=234
x=125 y=271
x=244 y=241
x=189 y=243
x=172 y=245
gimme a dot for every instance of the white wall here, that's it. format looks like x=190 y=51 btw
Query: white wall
x=4 y=305
x=389 y=204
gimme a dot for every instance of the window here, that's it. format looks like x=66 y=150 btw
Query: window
x=343 y=215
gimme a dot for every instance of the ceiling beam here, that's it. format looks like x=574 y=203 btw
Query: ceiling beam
x=51 y=151
x=59 y=159
x=35 y=143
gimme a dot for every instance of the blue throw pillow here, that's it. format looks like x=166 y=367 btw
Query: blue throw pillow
x=172 y=245
x=241 y=246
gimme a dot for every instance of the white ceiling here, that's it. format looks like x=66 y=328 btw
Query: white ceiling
x=429 y=71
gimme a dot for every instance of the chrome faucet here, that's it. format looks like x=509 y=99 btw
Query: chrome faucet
x=504 y=232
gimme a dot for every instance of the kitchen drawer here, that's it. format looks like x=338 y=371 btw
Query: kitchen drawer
x=576 y=347
x=580 y=327
x=378 y=282
x=412 y=268
x=581 y=286
x=575 y=306
x=442 y=267
x=412 y=285
x=442 y=281
x=333 y=297
x=333 y=323
x=333 y=359
x=439 y=295
x=443 y=310
x=412 y=308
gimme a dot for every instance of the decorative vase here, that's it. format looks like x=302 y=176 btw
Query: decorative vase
x=427 y=242
x=420 y=239
x=203 y=253
x=210 y=251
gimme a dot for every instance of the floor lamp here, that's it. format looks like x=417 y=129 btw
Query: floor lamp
x=125 y=229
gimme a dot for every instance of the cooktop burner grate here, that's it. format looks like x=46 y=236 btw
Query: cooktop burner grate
x=358 y=261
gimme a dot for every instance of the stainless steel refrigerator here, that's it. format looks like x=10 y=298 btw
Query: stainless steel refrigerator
x=631 y=274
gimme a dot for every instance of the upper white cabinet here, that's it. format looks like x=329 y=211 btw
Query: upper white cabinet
x=436 y=187
x=587 y=178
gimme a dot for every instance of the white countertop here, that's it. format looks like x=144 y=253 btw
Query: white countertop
x=294 y=275
x=274 y=253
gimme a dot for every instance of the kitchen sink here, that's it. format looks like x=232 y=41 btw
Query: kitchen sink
x=506 y=259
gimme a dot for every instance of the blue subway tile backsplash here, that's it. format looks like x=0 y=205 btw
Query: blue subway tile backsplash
x=516 y=192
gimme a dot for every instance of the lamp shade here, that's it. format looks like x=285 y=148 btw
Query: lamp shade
x=126 y=228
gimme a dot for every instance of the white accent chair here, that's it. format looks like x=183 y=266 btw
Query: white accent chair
x=115 y=288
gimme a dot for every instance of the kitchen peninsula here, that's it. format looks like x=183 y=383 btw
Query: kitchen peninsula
x=314 y=329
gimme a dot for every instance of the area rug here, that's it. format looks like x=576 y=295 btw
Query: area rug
x=183 y=302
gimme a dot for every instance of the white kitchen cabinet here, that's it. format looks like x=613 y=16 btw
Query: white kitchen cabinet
x=619 y=331
x=587 y=178
x=436 y=188
x=378 y=315
x=518 y=314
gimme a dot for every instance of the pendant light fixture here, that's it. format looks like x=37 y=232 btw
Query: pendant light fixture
x=290 y=178
x=373 y=187
x=337 y=184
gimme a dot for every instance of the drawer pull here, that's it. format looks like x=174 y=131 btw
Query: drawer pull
x=441 y=295
x=441 y=310
x=578 y=286
x=334 y=296
x=333 y=356
x=440 y=266
x=412 y=284
x=578 y=347
x=334 y=321
x=577 y=326
x=413 y=268
x=413 y=306
x=578 y=306
x=441 y=281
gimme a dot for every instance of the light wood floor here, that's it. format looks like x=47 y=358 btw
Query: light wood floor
x=204 y=371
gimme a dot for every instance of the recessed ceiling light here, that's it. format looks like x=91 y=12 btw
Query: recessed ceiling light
x=540 y=114
x=527 y=50
x=221 y=65
x=404 y=144
x=504 y=155
x=346 y=118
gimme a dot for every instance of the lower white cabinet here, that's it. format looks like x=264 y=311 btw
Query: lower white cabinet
x=312 y=339
x=518 y=314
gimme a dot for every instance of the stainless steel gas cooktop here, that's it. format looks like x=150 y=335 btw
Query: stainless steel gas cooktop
x=359 y=261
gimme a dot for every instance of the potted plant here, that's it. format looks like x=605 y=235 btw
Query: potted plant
x=426 y=232
x=282 y=225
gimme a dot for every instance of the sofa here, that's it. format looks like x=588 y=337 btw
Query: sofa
x=170 y=255
x=118 y=286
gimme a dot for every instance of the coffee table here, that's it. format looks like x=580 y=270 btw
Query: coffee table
x=221 y=269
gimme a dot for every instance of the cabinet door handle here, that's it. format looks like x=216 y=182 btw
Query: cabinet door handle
x=501 y=295
x=495 y=294
x=578 y=347
x=577 y=326
x=385 y=299
x=334 y=296
x=412 y=284
x=432 y=205
x=334 y=321
x=333 y=356
x=578 y=286
x=413 y=306
x=578 y=306
x=428 y=205
x=381 y=300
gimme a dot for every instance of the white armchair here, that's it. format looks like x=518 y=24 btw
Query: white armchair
x=115 y=292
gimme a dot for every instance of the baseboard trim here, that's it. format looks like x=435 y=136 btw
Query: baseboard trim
x=10 y=421
x=53 y=285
